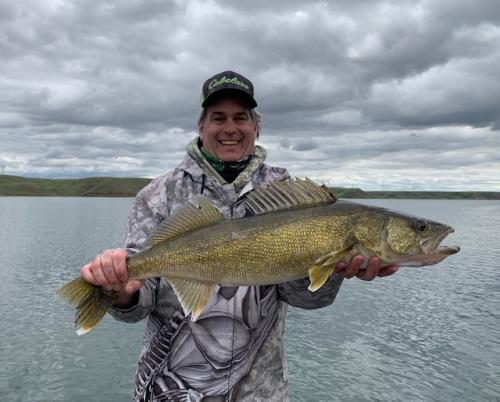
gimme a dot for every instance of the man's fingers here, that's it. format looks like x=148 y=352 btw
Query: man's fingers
x=354 y=266
x=340 y=266
x=120 y=263
x=389 y=270
x=87 y=274
x=108 y=270
x=133 y=286
x=97 y=271
x=371 y=271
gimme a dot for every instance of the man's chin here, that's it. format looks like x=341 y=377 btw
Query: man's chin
x=230 y=156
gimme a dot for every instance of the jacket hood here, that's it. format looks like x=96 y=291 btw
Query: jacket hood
x=196 y=165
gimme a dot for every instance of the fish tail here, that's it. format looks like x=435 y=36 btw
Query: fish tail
x=91 y=303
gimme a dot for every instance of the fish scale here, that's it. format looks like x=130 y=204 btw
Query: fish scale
x=237 y=252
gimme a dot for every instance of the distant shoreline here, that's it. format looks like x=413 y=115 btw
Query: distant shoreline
x=129 y=187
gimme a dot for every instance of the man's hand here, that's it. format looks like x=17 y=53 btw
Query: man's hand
x=372 y=270
x=109 y=270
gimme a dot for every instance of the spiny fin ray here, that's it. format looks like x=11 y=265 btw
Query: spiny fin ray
x=283 y=195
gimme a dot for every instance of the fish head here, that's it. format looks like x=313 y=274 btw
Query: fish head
x=414 y=241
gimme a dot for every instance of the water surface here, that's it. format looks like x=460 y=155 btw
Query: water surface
x=423 y=334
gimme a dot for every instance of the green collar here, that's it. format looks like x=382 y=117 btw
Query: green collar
x=255 y=162
x=222 y=166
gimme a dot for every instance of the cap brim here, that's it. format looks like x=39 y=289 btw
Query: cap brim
x=229 y=92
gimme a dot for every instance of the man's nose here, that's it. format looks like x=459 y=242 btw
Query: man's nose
x=230 y=127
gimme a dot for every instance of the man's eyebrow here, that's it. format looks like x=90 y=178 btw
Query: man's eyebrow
x=218 y=113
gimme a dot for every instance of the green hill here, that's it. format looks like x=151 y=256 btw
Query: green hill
x=128 y=187
x=341 y=192
x=87 y=187
x=435 y=195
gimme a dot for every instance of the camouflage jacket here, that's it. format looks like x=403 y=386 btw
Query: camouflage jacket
x=234 y=351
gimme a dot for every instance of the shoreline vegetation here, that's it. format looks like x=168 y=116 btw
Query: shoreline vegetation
x=129 y=187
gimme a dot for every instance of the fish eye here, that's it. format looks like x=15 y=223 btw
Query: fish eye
x=421 y=225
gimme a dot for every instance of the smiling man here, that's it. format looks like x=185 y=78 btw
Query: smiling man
x=234 y=350
x=228 y=130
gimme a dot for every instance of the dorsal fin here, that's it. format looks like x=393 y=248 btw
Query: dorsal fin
x=185 y=219
x=288 y=194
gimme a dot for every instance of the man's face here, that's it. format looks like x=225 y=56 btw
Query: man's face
x=228 y=131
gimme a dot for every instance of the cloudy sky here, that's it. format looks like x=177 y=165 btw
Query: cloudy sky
x=370 y=94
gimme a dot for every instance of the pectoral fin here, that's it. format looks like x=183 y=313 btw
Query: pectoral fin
x=193 y=295
x=332 y=258
x=318 y=276
x=324 y=267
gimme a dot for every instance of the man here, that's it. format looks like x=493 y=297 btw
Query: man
x=234 y=351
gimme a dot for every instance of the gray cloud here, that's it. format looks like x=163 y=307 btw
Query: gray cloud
x=351 y=92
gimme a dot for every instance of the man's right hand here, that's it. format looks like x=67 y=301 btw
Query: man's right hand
x=109 y=270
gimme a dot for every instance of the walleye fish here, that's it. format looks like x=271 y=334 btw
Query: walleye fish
x=295 y=229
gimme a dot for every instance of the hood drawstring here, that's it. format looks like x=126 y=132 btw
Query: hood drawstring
x=203 y=177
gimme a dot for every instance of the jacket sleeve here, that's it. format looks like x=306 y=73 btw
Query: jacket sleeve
x=296 y=294
x=141 y=222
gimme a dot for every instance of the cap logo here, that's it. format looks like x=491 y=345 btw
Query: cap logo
x=235 y=81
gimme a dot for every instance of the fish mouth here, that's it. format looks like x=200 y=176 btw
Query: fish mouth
x=431 y=251
x=432 y=245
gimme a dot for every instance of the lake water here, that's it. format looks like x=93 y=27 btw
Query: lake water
x=423 y=334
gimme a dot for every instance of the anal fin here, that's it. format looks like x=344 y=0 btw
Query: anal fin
x=193 y=295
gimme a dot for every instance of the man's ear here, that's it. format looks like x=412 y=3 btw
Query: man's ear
x=255 y=128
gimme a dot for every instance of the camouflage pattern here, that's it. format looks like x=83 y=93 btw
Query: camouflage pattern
x=234 y=351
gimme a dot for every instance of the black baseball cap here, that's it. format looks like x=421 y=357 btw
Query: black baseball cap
x=227 y=81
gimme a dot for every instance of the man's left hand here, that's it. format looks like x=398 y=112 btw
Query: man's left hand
x=371 y=272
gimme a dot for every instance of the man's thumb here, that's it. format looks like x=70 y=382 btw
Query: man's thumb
x=133 y=286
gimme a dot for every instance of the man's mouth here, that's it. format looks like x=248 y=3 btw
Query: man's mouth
x=229 y=142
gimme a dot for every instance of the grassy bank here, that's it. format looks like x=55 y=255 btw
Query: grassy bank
x=422 y=195
x=87 y=187
x=128 y=187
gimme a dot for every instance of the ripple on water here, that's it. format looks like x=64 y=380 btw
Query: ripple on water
x=422 y=334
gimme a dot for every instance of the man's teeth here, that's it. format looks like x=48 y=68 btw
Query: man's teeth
x=227 y=142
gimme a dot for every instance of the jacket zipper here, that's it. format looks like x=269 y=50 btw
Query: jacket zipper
x=221 y=194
